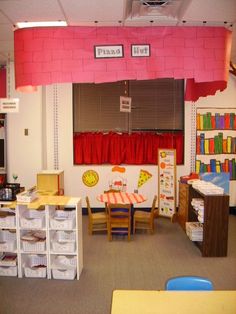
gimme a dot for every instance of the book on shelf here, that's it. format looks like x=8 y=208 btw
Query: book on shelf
x=217 y=120
x=206 y=146
x=198 y=121
x=213 y=122
x=227 y=121
x=220 y=142
x=211 y=146
x=198 y=148
x=218 y=168
x=202 y=147
x=201 y=122
x=216 y=144
x=229 y=139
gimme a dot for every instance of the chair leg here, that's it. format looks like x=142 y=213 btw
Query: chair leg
x=134 y=226
x=90 y=228
x=109 y=232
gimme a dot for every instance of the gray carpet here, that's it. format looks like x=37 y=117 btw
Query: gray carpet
x=144 y=263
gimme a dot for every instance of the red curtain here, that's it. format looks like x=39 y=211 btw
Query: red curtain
x=131 y=149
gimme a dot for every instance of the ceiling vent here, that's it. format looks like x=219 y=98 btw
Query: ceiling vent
x=154 y=3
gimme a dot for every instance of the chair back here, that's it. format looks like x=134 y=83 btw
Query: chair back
x=119 y=211
x=88 y=206
x=189 y=283
x=119 y=219
x=153 y=205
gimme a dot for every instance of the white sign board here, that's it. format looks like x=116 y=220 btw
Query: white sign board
x=167 y=182
x=125 y=104
x=9 y=105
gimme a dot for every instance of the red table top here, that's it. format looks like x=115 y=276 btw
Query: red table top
x=121 y=198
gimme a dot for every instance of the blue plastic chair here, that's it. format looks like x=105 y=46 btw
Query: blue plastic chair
x=189 y=283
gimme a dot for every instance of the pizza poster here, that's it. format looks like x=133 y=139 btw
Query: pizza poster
x=167 y=182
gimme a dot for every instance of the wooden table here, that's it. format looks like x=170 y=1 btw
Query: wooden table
x=121 y=198
x=173 y=302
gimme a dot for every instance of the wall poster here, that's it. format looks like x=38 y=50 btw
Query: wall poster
x=216 y=141
x=167 y=182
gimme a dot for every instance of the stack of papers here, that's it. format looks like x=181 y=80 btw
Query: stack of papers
x=194 y=231
x=207 y=188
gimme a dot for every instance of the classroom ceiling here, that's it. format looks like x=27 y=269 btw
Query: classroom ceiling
x=113 y=13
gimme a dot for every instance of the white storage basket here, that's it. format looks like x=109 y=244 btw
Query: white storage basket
x=8 y=246
x=32 y=219
x=35 y=272
x=63 y=247
x=38 y=246
x=65 y=262
x=8 y=271
x=68 y=274
x=7 y=222
x=62 y=236
x=64 y=220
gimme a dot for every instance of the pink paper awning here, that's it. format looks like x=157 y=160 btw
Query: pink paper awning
x=66 y=54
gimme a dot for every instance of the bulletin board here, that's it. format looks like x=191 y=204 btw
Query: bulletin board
x=167 y=182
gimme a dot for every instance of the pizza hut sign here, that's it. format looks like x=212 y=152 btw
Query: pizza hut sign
x=117 y=51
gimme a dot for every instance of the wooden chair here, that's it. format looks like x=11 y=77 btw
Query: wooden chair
x=97 y=221
x=143 y=219
x=119 y=220
x=109 y=191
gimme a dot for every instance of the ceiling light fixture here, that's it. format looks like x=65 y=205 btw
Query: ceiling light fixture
x=40 y=24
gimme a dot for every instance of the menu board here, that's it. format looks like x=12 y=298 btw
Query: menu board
x=167 y=182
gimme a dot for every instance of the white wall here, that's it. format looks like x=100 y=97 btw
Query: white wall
x=25 y=154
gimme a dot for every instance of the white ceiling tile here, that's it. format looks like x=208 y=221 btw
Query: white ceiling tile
x=93 y=10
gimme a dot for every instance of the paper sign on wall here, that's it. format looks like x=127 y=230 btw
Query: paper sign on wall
x=125 y=104
x=9 y=105
x=167 y=182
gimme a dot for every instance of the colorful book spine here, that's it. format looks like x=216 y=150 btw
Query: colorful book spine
x=213 y=165
x=224 y=146
x=231 y=122
x=217 y=166
x=206 y=146
x=201 y=122
x=209 y=126
x=205 y=121
x=202 y=138
x=227 y=121
x=222 y=122
x=220 y=142
x=217 y=121
x=233 y=145
x=226 y=165
x=198 y=166
x=211 y=146
x=213 y=122
x=233 y=169
x=229 y=139
x=198 y=148
x=216 y=144
x=198 y=121
x=230 y=169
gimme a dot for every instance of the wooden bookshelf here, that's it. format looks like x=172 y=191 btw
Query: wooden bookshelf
x=215 y=226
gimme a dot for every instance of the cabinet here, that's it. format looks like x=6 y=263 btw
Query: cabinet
x=215 y=225
x=48 y=238
x=183 y=204
x=51 y=181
